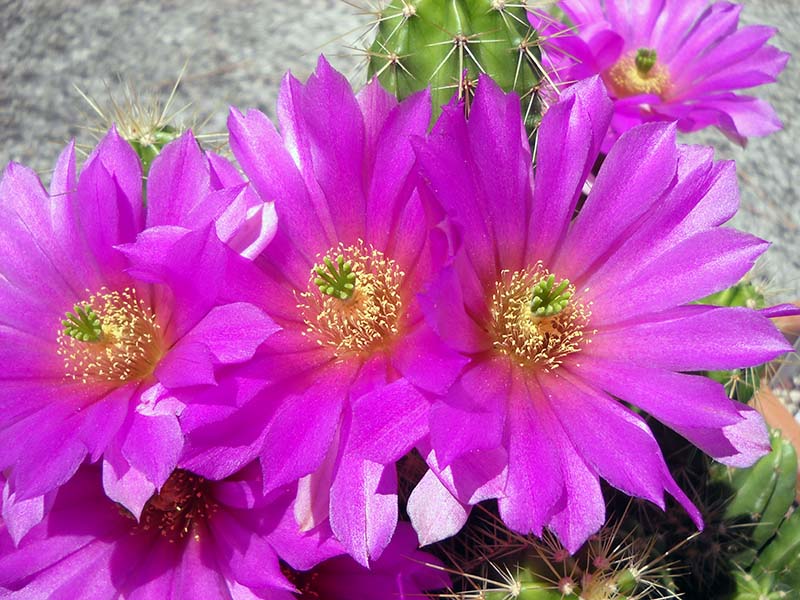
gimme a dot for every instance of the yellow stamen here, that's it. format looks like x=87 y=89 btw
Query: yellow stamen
x=530 y=339
x=369 y=316
x=127 y=347
x=629 y=78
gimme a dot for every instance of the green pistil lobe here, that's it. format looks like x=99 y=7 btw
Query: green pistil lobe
x=83 y=324
x=336 y=279
x=645 y=60
x=550 y=299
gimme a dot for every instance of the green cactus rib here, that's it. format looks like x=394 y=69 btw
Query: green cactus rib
x=528 y=593
x=446 y=44
x=770 y=570
x=781 y=557
x=743 y=293
x=763 y=588
x=754 y=486
x=530 y=587
x=740 y=384
x=149 y=149
x=782 y=496
x=764 y=493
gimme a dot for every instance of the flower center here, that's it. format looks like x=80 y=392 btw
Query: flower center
x=535 y=319
x=113 y=336
x=184 y=501
x=305 y=582
x=639 y=73
x=354 y=301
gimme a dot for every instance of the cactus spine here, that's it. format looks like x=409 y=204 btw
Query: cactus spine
x=446 y=44
x=492 y=563
x=770 y=570
x=145 y=121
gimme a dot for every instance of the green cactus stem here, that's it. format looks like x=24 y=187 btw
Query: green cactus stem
x=447 y=44
x=147 y=121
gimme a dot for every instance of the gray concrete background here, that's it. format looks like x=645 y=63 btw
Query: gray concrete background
x=239 y=49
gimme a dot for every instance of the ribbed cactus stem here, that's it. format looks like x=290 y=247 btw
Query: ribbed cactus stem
x=447 y=44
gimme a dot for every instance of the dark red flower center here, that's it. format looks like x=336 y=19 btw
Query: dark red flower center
x=305 y=582
x=184 y=502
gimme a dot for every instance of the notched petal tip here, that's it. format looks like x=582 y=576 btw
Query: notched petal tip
x=324 y=74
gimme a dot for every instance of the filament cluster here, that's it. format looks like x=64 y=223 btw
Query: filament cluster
x=125 y=341
x=369 y=316
x=183 y=502
x=633 y=75
x=528 y=338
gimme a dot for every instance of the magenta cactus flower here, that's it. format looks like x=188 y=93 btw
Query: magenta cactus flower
x=106 y=338
x=669 y=61
x=561 y=318
x=351 y=371
x=194 y=539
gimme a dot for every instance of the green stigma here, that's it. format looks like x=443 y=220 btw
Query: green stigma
x=645 y=60
x=83 y=324
x=336 y=279
x=550 y=299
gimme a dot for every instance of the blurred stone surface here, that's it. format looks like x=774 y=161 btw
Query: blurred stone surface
x=769 y=168
x=238 y=51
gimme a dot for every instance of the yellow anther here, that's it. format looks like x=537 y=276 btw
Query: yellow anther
x=369 y=316
x=530 y=338
x=638 y=73
x=127 y=346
